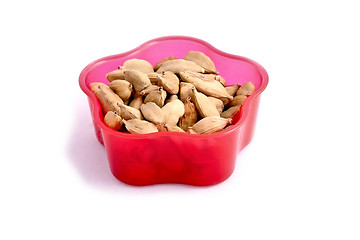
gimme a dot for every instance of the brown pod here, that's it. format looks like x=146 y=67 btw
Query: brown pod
x=246 y=89
x=210 y=125
x=138 y=79
x=128 y=112
x=152 y=112
x=185 y=91
x=179 y=65
x=173 y=111
x=122 y=88
x=158 y=64
x=229 y=113
x=218 y=103
x=202 y=60
x=113 y=120
x=115 y=75
x=169 y=81
x=136 y=102
x=231 y=89
x=211 y=88
x=138 y=65
x=237 y=101
x=204 y=106
x=157 y=96
x=107 y=98
x=190 y=116
x=137 y=126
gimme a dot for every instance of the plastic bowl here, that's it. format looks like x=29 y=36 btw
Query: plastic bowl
x=172 y=157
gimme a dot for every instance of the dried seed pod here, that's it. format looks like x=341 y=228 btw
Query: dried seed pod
x=246 y=89
x=115 y=75
x=190 y=116
x=209 y=125
x=179 y=65
x=171 y=98
x=229 y=113
x=138 y=65
x=149 y=89
x=152 y=112
x=237 y=101
x=122 y=88
x=157 y=96
x=128 y=112
x=138 y=79
x=113 y=120
x=158 y=64
x=108 y=99
x=169 y=81
x=205 y=107
x=138 y=126
x=218 y=103
x=153 y=77
x=211 y=77
x=202 y=60
x=209 y=87
x=136 y=102
x=173 y=111
x=185 y=91
x=231 y=89
x=174 y=128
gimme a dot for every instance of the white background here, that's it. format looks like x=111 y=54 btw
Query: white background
x=298 y=179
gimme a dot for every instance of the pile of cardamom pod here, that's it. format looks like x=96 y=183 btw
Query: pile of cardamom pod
x=181 y=95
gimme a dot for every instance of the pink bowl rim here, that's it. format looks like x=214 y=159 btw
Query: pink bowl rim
x=245 y=108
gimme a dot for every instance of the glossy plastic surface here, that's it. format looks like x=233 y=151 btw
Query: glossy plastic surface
x=172 y=157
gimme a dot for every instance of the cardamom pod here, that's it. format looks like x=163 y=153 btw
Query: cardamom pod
x=122 y=88
x=171 y=98
x=173 y=111
x=128 y=112
x=169 y=81
x=246 y=89
x=157 y=96
x=136 y=102
x=138 y=65
x=205 y=107
x=113 y=120
x=238 y=100
x=232 y=89
x=230 y=112
x=115 y=75
x=209 y=125
x=138 y=126
x=190 y=116
x=179 y=65
x=138 y=79
x=107 y=98
x=202 y=60
x=152 y=112
x=211 y=88
x=185 y=91
x=158 y=64
x=153 y=77
x=218 y=103
x=149 y=89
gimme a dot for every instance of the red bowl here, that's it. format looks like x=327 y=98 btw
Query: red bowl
x=173 y=157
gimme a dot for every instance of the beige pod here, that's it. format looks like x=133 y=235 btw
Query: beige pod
x=202 y=60
x=210 y=125
x=138 y=65
x=218 y=103
x=204 y=106
x=231 y=89
x=149 y=89
x=138 y=79
x=246 y=89
x=122 y=88
x=173 y=111
x=169 y=81
x=152 y=112
x=136 y=102
x=107 y=98
x=158 y=64
x=157 y=96
x=185 y=91
x=211 y=88
x=115 y=75
x=113 y=120
x=190 y=116
x=230 y=112
x=179 y=65
x=128 y=112
x=137 y=126
x=171 y=98
x=238 y=100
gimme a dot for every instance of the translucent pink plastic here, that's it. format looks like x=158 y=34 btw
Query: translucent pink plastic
x=172 y=157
